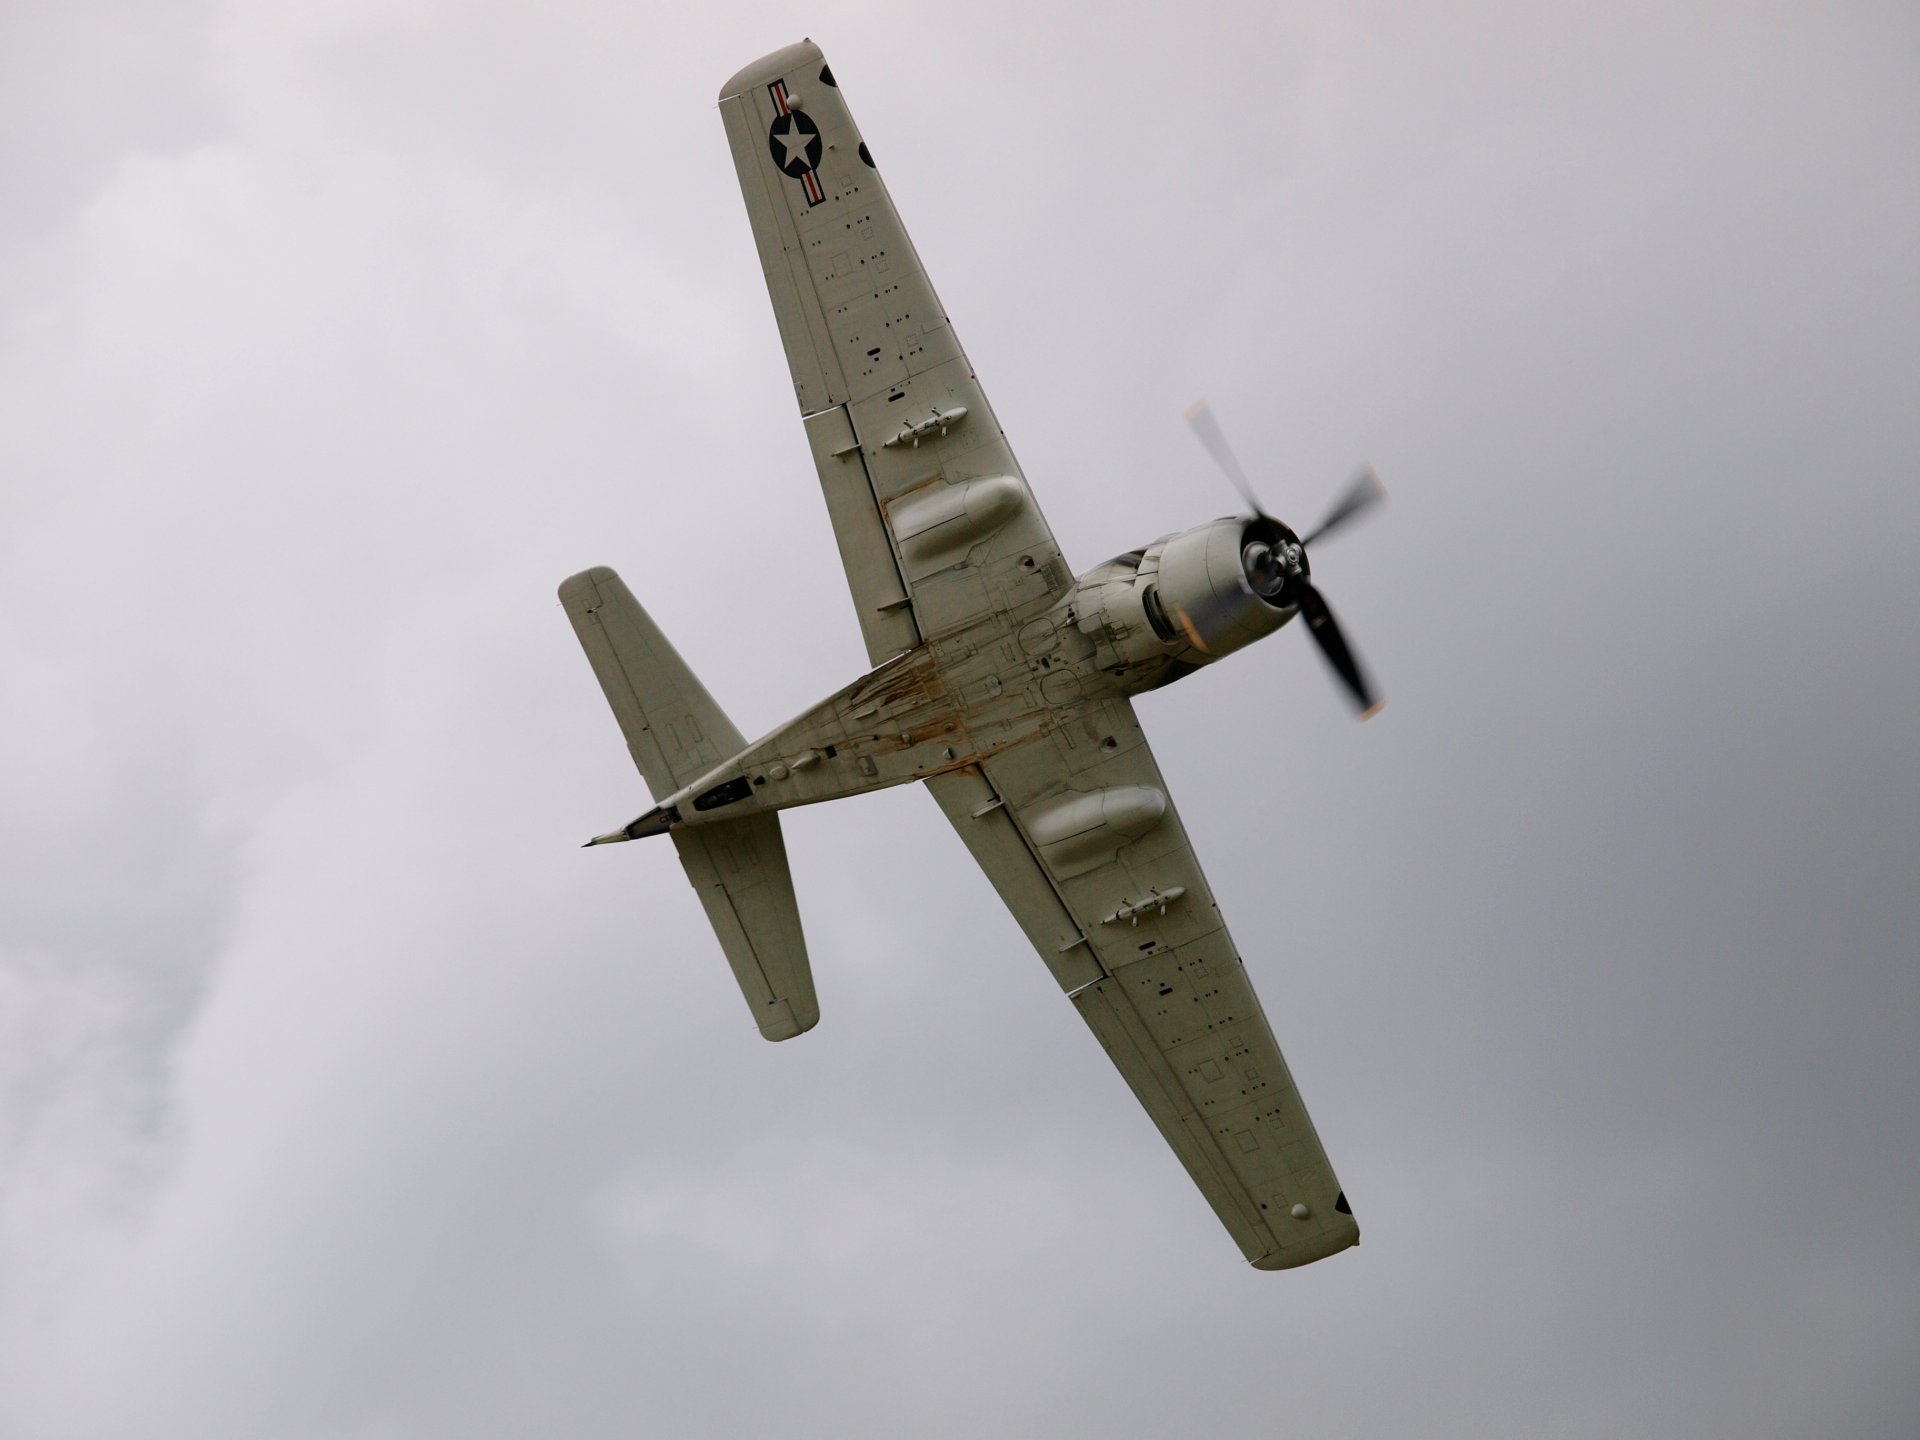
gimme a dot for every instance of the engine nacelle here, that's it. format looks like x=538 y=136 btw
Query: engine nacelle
x=1186 y=598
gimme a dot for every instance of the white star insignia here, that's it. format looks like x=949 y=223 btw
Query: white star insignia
x=795 y=139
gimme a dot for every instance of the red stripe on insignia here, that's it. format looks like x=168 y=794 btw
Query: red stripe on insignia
x=778 y=89
x=814 y=193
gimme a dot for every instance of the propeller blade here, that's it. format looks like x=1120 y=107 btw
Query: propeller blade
x=1363 y=492
x=1333 y=645
x=1207 y=430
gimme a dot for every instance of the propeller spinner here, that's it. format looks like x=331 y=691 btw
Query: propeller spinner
x=1275 y=559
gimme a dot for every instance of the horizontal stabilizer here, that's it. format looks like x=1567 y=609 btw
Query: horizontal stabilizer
x=739 y=869
x=674 y=731
x=676 y=734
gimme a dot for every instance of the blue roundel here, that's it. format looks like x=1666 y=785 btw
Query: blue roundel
x=795 y=143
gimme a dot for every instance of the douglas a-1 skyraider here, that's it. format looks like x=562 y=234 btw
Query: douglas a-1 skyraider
x=1001 y=681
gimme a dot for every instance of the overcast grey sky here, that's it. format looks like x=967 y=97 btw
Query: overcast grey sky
x=343 y=1098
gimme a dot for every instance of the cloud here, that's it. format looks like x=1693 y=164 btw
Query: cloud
x=340 y=1095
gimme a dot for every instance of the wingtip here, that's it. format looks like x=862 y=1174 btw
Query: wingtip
x=771 y=67
x=1330 y=1241
x=1372 y=710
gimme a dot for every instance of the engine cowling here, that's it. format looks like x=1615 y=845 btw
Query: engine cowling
x=1189 y=597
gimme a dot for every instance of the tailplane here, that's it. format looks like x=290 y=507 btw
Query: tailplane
x=675 y=734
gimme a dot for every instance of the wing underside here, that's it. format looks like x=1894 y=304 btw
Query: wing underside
x=935 y=525
x=1128 y=927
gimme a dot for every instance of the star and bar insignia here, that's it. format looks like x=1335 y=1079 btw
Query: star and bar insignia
x=795 y=143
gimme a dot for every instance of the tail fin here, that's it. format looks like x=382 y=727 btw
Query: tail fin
x=676 y=734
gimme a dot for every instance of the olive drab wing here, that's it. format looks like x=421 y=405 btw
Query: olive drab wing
x=1000 y=679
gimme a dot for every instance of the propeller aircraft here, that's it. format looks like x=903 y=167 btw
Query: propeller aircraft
x=1001 y=681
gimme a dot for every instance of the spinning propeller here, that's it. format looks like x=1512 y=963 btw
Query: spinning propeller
x=1275 y=559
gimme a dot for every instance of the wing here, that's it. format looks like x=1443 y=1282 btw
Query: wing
x=1100 y=876
x=935 y=524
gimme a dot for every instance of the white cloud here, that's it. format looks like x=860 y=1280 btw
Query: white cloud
x=341 y=1096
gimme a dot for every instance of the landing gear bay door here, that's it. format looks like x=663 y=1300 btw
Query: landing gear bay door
x=934 y=522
